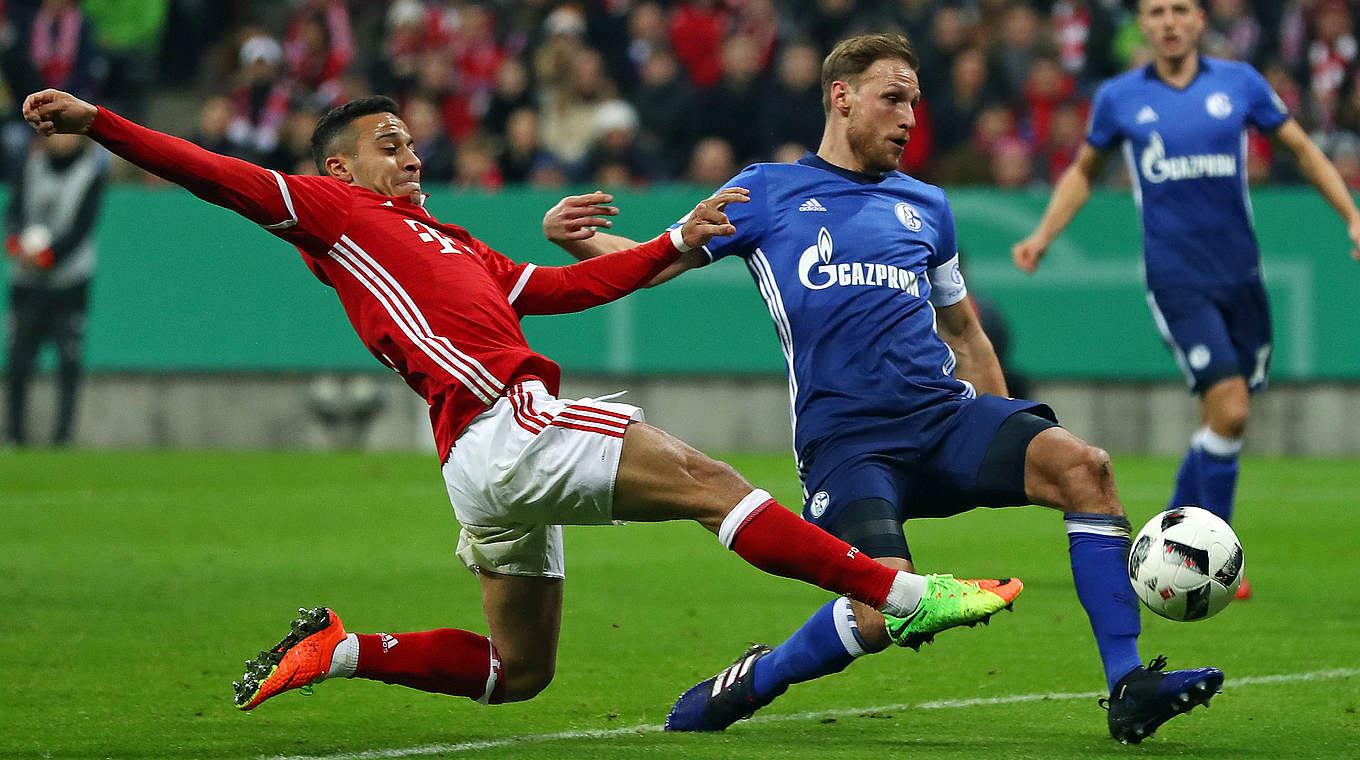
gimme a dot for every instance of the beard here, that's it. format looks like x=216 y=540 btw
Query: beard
x=871 y=149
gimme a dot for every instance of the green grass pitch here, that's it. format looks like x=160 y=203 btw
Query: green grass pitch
x=134 y=585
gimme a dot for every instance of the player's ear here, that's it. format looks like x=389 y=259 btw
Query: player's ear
x=840 y=97
x=339 y=167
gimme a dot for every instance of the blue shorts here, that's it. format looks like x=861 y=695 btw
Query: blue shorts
x=1216 y=334
x=943 y=478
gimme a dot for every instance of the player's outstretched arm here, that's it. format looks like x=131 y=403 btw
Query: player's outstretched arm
x=1324 y=176
x=599 y=280
x=1069 y=195
x=243 y=187
x=573 y=224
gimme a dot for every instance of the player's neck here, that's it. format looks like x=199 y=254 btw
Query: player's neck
x=835 y=150
x=1179 y=71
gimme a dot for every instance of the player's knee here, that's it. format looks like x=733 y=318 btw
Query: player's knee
x=1089 y=482
x=525 y=682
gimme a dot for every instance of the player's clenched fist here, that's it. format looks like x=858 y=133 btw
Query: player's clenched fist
x=53 y=111
x=1027 y=253
x=708 y=221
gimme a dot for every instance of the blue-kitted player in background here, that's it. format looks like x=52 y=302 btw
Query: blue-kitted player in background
x=900 y=409
x=1181 y=123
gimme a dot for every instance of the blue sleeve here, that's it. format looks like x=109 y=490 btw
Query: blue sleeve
x=1265 y=109
x=946 y=244
x=1103 y=132
x=749 y=218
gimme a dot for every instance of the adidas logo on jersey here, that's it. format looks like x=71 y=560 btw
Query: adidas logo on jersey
x=1146 y=115
x=812 y=204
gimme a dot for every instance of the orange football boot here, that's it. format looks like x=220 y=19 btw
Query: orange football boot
x=300 y=660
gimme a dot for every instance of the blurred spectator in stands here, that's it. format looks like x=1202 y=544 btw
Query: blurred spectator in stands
x=949 y=36
x=1066 y=135
x=665 y=101
x=564 y=28
x=1345 y=155
x=510 y=93
x=826 y=22
x=608 y=31
x=792 y=105
x=213 y=121
x=711 y=163
x=411 y=27
x=548 y=173
x=477 y=56
x=912 y=18
x=647 y=35
x=434 y=82
x=697 y=31
x=1012 y=164
x=1019 y=46
x=260 y=100
x=17 y=76
x=475 y=166
x=732 y=107
x=1046 y=87
x=757 y=21
x=49 y=233
x=522 y=150
x=293 y=154
x=61 y=47
x=568 y=113
x=920 y=150
x=319 y=46
x=616 y=146
x=128 y=33
x=956 y=108
x=1083 y=31
x=970 y=163
x=1233 y=31
x=1292 y=37
x=1331 y=53
x=432 y=143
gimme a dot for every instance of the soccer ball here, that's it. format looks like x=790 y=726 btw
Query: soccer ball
x=1186 y=564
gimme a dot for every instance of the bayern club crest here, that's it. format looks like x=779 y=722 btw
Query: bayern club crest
x=909 y=217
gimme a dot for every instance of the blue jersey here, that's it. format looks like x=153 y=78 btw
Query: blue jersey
x=849 y=266
x=1187 y=156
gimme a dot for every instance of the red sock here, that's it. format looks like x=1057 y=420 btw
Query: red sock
x=781 y=543
x=444 y=661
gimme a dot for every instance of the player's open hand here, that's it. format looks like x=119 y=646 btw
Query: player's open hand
x=1027 y=253
x=576 y=217
x=708 y=221
x=53 y=111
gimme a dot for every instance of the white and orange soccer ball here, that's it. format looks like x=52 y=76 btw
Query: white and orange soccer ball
x=1186 y=564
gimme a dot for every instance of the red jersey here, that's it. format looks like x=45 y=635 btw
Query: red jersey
x=429 y=300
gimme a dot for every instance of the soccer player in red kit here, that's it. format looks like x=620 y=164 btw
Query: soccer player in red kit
x=442 y=309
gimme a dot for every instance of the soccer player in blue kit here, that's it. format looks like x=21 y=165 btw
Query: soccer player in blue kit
x=899 y=406
x=1181 y=122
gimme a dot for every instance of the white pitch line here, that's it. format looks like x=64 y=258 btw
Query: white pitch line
x=942 y=704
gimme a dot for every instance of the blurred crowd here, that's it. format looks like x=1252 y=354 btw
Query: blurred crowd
x=636 y=92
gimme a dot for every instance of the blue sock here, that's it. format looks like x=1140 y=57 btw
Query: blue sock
x=825 y=644
x=1218 y=471
x=1188 y=480
x=1099 y=546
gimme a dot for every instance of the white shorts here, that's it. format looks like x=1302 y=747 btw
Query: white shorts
x=527 y=466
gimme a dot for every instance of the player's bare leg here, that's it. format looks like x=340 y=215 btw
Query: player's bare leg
x=1064 y=472
x=524 y=618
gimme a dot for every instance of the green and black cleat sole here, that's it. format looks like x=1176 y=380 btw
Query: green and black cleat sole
x=262 y=666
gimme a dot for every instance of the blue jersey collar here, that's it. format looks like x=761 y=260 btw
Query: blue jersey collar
x=817 y=162
x=1150 y=71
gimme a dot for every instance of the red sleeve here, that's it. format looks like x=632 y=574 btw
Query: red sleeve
x=561 y=290
x=293 y=207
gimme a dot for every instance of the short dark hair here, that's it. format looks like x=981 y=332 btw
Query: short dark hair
x=331 y=127
x=853 y=55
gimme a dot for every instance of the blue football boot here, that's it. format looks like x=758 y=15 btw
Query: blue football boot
x=724 y=699
x=1146 y=698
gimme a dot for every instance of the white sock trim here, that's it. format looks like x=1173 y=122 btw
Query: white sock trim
x=727 y=532
x=493 y=675
x=847 y=628
x=345 y=658
x=905 y=595
x=1213 y=443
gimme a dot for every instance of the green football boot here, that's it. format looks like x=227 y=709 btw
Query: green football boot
x=949 y=602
